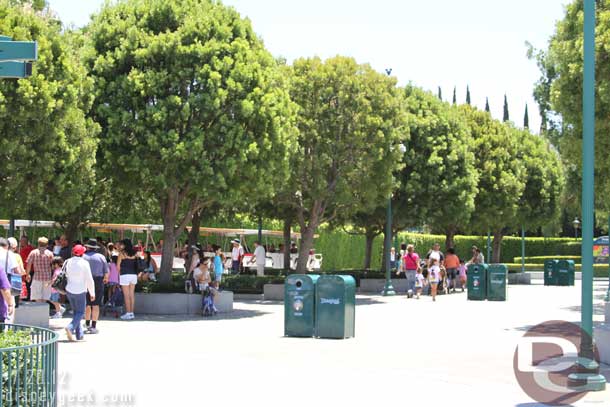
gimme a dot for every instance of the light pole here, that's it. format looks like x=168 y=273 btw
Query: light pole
x=607 y=299
x=576 y=224
x=588 y=377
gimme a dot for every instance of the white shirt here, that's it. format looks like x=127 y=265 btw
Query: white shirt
x=259 y=253
x=79 y=276
x=237 y=253
x=10 y=262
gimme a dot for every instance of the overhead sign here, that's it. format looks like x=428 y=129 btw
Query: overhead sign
x=15 y=69
x=18 y=51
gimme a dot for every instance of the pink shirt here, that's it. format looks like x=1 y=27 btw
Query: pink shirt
x=411 y=261
x=55 y=274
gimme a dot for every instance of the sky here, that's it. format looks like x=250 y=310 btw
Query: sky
x=431 y=43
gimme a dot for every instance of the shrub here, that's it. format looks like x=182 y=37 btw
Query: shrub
x=542 y=259
x=599 y=270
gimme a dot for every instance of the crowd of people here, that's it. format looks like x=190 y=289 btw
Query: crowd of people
x=436 y=272
x=94 y=272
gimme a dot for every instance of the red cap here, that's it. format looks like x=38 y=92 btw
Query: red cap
x=78 y=250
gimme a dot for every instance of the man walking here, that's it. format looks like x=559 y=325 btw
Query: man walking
x=236 y=255
x=65 y=252
x=259 y=258
x=25 y=248
x=99 y=272
x=39 y=262
x=8 y=265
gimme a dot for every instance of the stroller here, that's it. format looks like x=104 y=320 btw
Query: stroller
x=208 y=308
x=115 y=303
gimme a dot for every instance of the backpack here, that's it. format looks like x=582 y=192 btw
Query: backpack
x=14 y=279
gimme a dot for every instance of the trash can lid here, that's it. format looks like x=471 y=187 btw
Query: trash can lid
x=339 y=279
x=305 y=279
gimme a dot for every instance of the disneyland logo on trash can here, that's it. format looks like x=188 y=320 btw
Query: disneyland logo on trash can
x=331 y=301
x=544 y=358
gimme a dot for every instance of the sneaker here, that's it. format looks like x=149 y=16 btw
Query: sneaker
x=92 y=331
x=69 y=334
x=132 y=315
x=57 y=315
x=126 y=316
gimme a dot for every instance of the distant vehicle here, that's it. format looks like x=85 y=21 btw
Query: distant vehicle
x=601 y=250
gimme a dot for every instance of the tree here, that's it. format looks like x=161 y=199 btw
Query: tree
x=468 y=95
x=487 y=105
x=440 y=94
x=48 y=151
x=502 y=176
x=454 y=96
x=192 y=106
x=526 y=118
x=349 y=119
x=506 y=116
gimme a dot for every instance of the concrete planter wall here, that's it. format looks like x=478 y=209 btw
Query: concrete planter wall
x=520 y=278
x=32 y=314
x=375 y=285
x=273 y=292
x=179 y=304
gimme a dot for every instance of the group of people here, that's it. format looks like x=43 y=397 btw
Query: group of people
x=93 y=271
x=435 y=272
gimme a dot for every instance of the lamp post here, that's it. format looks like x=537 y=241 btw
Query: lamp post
x=576 y=224
x=607 y=299
x=588 y=378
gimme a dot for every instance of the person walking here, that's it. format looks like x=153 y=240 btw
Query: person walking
x=25 y=248
x=219 y=260
x=8 y=265
x=80 y=282
x=259 y=259
x=127 y=264
x=99 y=271
x=452 y=264
x=39 y=262
x=410 y=263
x=64 y=250
x=12 y=248
x=434 y=273
x=236 y=255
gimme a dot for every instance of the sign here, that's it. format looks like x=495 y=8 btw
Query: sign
x=18 y=51
x=15 y=69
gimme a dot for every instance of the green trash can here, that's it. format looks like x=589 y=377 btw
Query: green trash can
x=477 y=282
x=497 y=275
x=299 y=305
x=335 y=307
x=551 y=272
x=565 y=272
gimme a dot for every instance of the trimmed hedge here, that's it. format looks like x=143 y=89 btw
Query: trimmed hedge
x=542 y=259
x=346 y=251
x=599 y=270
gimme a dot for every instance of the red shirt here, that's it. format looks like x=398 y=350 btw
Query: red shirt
x=24 y=252
x=411 y=261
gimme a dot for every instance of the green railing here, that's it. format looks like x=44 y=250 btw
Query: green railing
x=28 y=371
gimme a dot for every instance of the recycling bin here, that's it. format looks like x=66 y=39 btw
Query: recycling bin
x=497 y=275
x=551 y=272
x=565 y=272
x=299 y=305
x=335 y=307
x=477 y=282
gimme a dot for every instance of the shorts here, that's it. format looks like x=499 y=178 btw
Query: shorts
x=40 y=290
x=452 y=273
x=54 y=297
x=128 y=279
x=98 y=282
x=218 y=278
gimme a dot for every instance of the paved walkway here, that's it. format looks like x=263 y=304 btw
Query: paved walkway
x=452 y=352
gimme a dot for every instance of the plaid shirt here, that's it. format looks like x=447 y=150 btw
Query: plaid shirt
x=41 y=264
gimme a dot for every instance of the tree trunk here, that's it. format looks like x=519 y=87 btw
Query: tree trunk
x=169 y=241
x=193 y=237
x=287 y=240
x=497 y=246
x=449 y=238
x=306 y=245
x=368 y=249
x=70 y=232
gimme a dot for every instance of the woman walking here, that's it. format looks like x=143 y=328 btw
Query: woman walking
x=80 y=281
x=127 y=264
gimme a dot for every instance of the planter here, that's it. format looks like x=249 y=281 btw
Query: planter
x=607 y=313
x=32 y=314
x=520 y=278
x=179 y=304
x=602 y=340
x=273 y=292
x=375 y=285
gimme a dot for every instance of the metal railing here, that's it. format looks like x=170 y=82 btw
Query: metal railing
x=29 y=372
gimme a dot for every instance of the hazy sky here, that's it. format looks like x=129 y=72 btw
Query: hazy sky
x=431 y=43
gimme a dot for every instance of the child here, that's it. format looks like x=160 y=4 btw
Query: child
x=419 y=282
x=462 y=275
x=219 y=260
x=113 y=274
x=434 y=274
x=56 y=265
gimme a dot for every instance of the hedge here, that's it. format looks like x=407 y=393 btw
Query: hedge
x=542 y=259
x=342 y=250
x=599 y=270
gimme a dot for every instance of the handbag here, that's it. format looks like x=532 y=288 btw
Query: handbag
x=61 y=282
x=14 y=279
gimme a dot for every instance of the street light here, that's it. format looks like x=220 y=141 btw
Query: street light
x=576 y=224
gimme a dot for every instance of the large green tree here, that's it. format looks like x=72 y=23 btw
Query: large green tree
x=48 y=145
x=350 y=121
x=193 y=107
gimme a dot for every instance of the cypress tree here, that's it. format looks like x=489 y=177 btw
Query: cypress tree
x=526 y=118
x=440 y=94
x=506 y=115
x=487 y=105
x=468 y=95
x=454 y=96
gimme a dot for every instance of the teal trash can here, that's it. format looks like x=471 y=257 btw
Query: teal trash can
x=299 y=305
x=566 y=271
x=497 y=275
x=335 y=307
x=551 y=272
x=477 y=282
